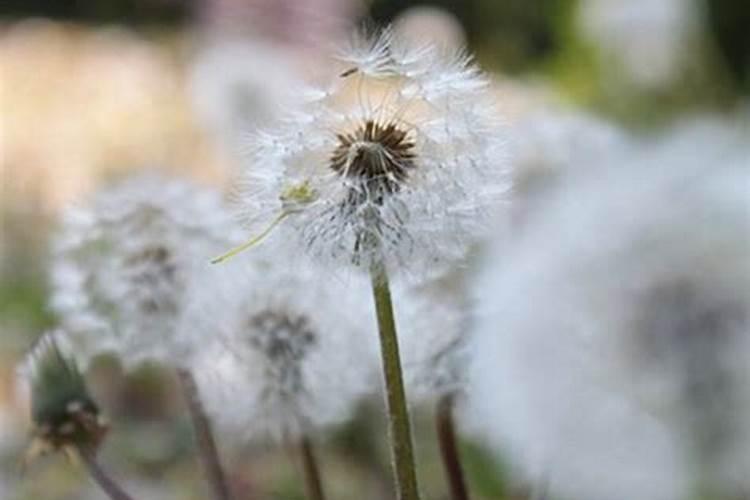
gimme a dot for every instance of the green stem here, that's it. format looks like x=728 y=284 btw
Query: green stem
x=399 y=426
x=313 y=483
x=206 y=444
x=446 y=431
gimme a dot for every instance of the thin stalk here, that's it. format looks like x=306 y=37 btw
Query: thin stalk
x=446 y=432
x=206 y=444
x=313 y=483
x=105 y=482
x=399 y=426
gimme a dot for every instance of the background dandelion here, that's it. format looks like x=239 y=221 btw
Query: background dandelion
x=295 y=354
x=125 y=262
x=624 y=377
x=286 y=351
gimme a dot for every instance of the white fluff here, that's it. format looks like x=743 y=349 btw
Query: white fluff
x=433 y=214
x=125 y=261
x=600 y=331
x=286 y=349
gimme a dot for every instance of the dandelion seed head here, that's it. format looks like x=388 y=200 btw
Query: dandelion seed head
x=125 y=262
x=286 y=351
x=401 y=154
x=612 y=364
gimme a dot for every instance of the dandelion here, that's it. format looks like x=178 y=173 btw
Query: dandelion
x=289 y=354
x=397 y=160
x=613 y=364
x=125 y=265
x=125 y=261
x=64 y=415
x=395 y=165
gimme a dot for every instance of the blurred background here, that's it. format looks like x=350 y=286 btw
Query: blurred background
x=92 y=89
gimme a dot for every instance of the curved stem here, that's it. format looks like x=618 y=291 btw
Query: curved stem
x=105 y=482
x=446 y=432
x=207 y=449
x=399 y=426
x=252 y=241
x=313 y=483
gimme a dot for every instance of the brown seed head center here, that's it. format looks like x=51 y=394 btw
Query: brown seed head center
x=379 y=155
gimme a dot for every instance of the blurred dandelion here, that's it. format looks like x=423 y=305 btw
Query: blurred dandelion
x=613 y=364
x=125 y=261
x=64 y=415
x=288 y=354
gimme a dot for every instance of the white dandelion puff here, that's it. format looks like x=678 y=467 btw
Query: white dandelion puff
x=287 y=352
x=612 y=362
x=125 y=261
x=399 y=159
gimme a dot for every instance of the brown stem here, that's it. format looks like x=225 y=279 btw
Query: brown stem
x=313 y=483
x=207 y=450
x=446 y=432
x=105 y=482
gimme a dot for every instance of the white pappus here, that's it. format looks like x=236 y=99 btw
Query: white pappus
x=399 y=158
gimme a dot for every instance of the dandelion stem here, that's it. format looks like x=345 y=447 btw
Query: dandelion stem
x=105 y=482
x=446 y=432
x=204 y=437
x=311 y=470
x=252 y=241
x=399 y=426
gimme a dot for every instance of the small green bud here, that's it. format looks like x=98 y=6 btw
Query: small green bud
x=64 y=415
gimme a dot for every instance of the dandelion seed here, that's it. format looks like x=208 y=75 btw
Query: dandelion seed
x=613 y=364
